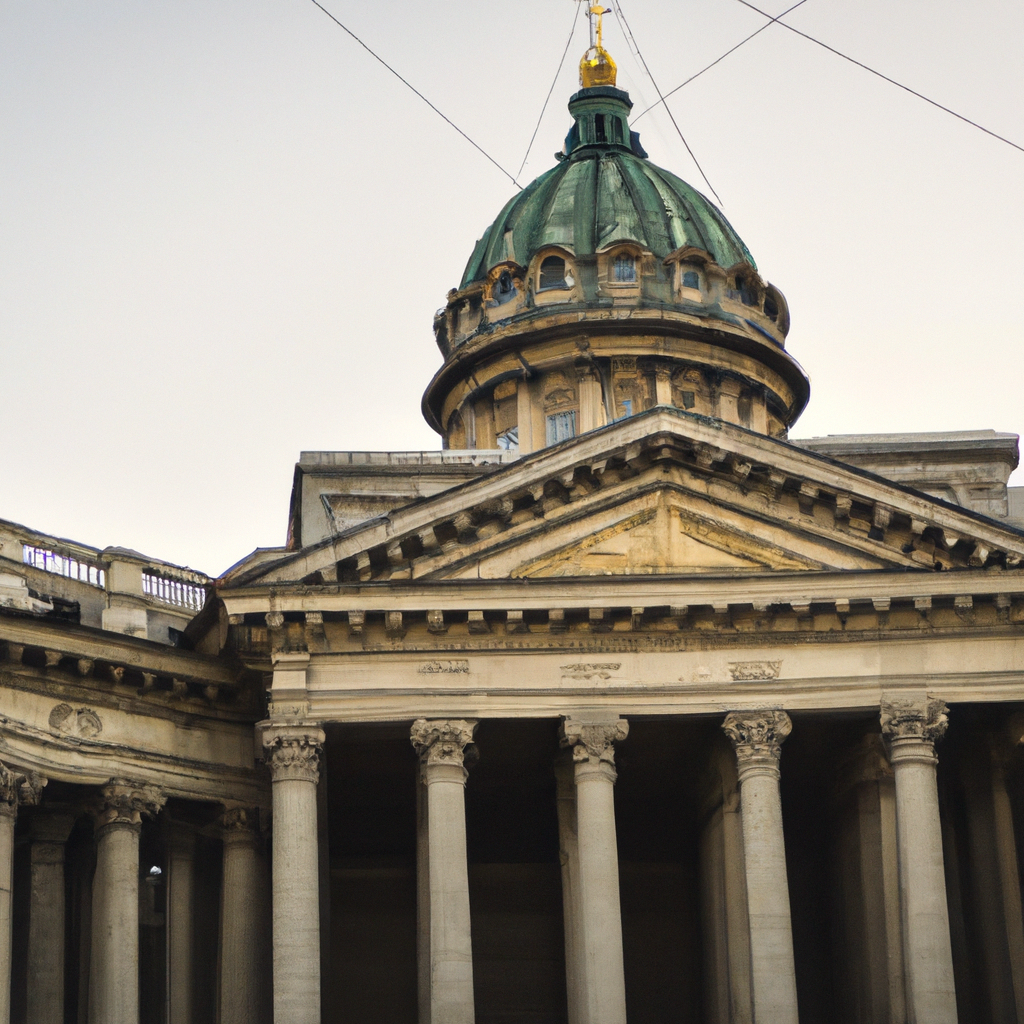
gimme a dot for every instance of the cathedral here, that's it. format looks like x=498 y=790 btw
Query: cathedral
x=623 y=705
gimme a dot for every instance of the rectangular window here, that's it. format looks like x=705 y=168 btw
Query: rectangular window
x=627 y=408
x=561 y=426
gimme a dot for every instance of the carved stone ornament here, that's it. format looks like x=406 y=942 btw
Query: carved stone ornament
x=914 y=719
x=593 y=742
x=294 y=753
x=442 y=741
x=83 y=723
x=17 y=788
x=124 y=801
x=757 y=735
x=240 y=823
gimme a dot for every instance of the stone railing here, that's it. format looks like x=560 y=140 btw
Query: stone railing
x=114 y=588
x=85 y=571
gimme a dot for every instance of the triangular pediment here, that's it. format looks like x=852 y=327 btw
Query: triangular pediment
x=665 y=492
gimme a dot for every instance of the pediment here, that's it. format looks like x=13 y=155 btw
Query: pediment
x=664 y=492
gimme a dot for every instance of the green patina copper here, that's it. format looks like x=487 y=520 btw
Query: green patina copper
x=604 y=190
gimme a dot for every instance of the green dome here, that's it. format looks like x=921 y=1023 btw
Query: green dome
x=605 y=190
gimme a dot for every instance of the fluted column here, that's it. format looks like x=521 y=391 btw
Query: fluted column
x=240 y=919
x=48 y=832
x=757 y=737
x=912 y=727
x=114 y=960
x=294 y=755
x=14 y=789
x=442 y=746
x=599 y=913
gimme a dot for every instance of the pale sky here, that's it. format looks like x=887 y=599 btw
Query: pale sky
x=224 y=228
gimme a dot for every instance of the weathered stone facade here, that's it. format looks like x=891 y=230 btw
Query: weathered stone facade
x=624 y=706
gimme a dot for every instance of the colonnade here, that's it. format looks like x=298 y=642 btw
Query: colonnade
x=586 y=776
x=590 y=872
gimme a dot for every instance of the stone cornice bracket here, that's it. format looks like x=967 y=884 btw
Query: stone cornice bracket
x=124 y=801
x=757 y=738
x=293 y=752
x=442 y=741
x=19 y=789
x=912 y=726
x=593 y=742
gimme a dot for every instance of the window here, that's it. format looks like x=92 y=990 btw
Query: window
x=553 y=274
x=504 y=289
x=627 y=408
x=616 y=130
x=691 y=279
x=624 y=269
x=561 y=426
x=771 y=307
x=509 y=439
x=599 y=131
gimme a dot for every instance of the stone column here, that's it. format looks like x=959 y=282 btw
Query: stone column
x=422 y=901
x=48 y=832
x=568 y=853
x=240 y=919
x=757 y=737
x=181 y=870
x=441 y=746
x=294 y=755
x=599 y=912
x=114 y=960
x=1006 y=856
x=14 y=789
x=912 y=727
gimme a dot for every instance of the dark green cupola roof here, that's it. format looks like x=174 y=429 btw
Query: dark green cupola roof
x=604 y=190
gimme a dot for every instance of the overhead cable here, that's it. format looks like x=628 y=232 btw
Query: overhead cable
x=671 y=92
x=554 y=81
x=409 y=85
x=633 y=42
x=885 y=78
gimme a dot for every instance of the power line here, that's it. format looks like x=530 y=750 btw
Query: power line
x=568 y=43
x=767 y=24
x=409 y=85
x=885 y=78
x=632 y=38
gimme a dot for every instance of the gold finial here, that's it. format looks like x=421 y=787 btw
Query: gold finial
x=597 y=66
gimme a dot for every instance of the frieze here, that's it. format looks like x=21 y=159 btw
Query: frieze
x=589 y=671
x=748 y=671
x=455 y=667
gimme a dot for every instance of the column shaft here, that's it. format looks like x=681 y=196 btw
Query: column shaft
x=599 y=910
x=45 y=988
x=927 y=953
x=180 y=901
x=240 y=921
x=757 y=738
x=575 y=984
x=294 y=753
x=441 y=745
x=422 y=902
x=1009 y=875
x=114 y=963
x=8 y=812
x=114 y=956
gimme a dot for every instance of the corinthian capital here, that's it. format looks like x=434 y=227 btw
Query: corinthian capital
x=593 y=742
x=914 y=719
x=17 y=788
x=293 y=752
x=442 y=741
x=123 y=802
x=757 y=736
